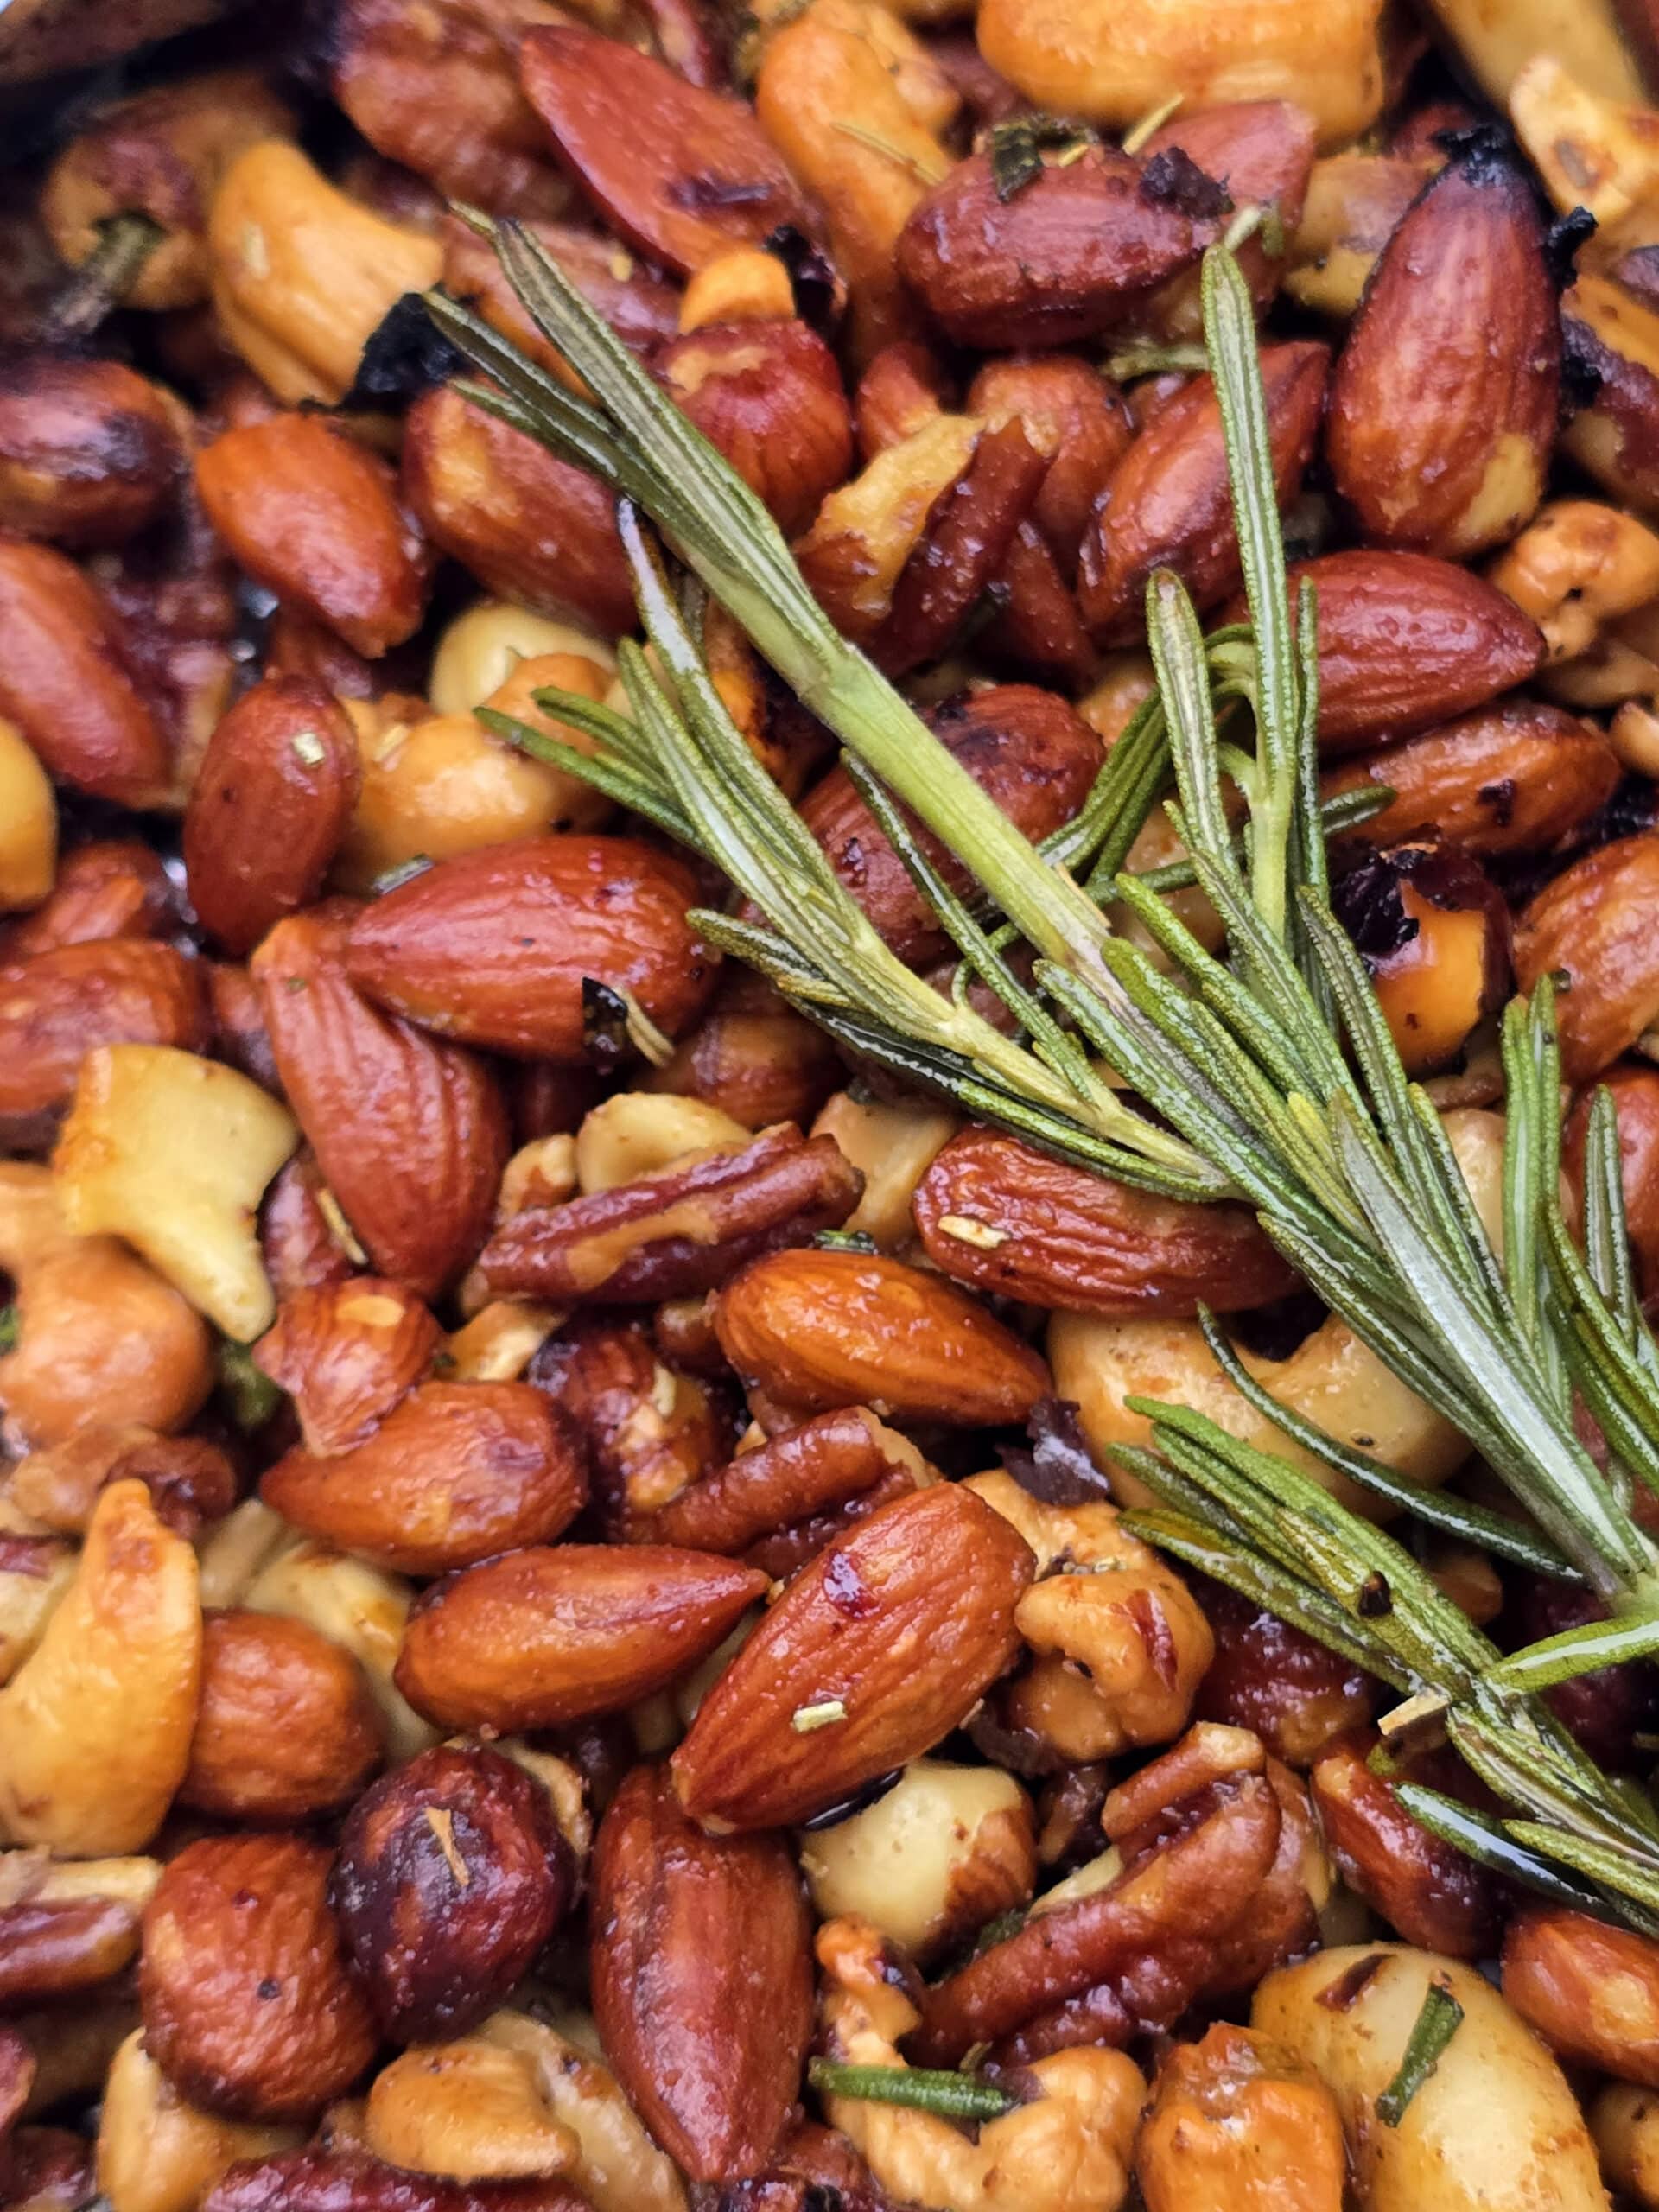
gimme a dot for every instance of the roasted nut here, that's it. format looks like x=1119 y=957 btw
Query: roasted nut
x=543 y=1638
x=640 y=306
x=496 y=948
x=945 y=1851
x=451 y=1875
x=1592 y=151
x=751 y=1056
x=58 y=1006
x=1622 y=2120
x=34 y=1573
x=1443 y=405
x=819 y=1329
x=1513 y=778
x=793 y=1474
x=529 y=526
x=190 y=1481
x=156 y=2152
x=348 y=1353
x=270 y=806
x=1354 y=203
x=892 y=1147
x=351 y=2180
x=468 y=2109
x=28 y=825
x=617 y=2167
x=768 y=395
x=68 y=685
x=877 y=1649
x=1167 y=503
x=90 y=451
x=286 y=1727
x=1274 y=1680
x=1425 y=1889
x=1005 y=1218
x=1577 y=566
x=116 y=887
x=745 y=285
x=409 y=1133
x=352 y=1604
x=650 y=1430
x=1592 y=921
x=312 y=514
x=248 y=2007
x=901 y=392
x=1433 y=931
x=867 y=531
x=302 y=274
x=483 y=649
x=95 y=1725
x=1075 y=419
x=1634 y=1091
x=1261 y=151
x=57 y=1948
x=703 y=1978
x=303 y=1248
x=1236 y=2125
x=1615 y=337
x=456 y=1473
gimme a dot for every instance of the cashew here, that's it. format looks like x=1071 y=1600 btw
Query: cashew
x=479 y=650
x=35 y=1878
x=1354 y=201
x=95 y=1726
x=1067 y=2151
x=892 y=1147
x=864 y=533
x=563 y=1785
x=1592 y=152
x=1577 y=566
x=172 y=1153
x=616 y=2165
x=468 y=2109
x=500 y=1340
x=540 y=1173
x=1624 y=2122
x=355 y=1604
x=235 y=1550
x=29 y=823
x=1237 y=2125
x=1585 y=34
x=32 y=1582
x=640 y=1133
x=744 y=286
x=945 y=1850
x=1494 y=2128
x=156 y=2153
x=1121 y=1645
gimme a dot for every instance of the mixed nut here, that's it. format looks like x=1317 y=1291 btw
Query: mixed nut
x=567 y=1637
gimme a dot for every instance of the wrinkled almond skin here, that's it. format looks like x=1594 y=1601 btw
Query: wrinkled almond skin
x=459 y=1471
x=286 y=1728
x=1167 y=503
x=1063 y=259
x=768 y=395
x=1635 y=1088
x=1595 y=920
x=1024 y=747
x=545 y=1636
x=115 y=887
x=352 y=2181
x=316 y=517
x=905 y=1622
x=348 y=1353
x=1443 y=405
x=684 y=174
x=494 y=947
x=702 y=1978
x=248 y=2008
x=410 y=1134
x=1001 y=1216
x=818 y=1330
x=57 y=1007
x=1425 y=1889
x=270 y=804
x=66 y=682
x=530 y=527
x=451 y=1875
x=1591 y=1990
x=1512 y=778
x=90 y=451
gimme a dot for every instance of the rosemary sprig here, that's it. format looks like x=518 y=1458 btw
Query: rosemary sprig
x=1435 y=2025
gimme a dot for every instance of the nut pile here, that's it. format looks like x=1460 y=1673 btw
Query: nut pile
x=563 y=1599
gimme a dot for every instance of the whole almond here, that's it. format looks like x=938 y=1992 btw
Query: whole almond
x=1595 y=922
x=1167 y=504
x=1004 y=1217
x=1262 y=152
x=286 y=1728
x=496 y=947
x=410 y=1134
x=458 y=1472
x=768 y=395
x=880 y=1647
x=90 y=451
x=66 y=682
x=818 y=1330
x=57 y=1007
x=270 y=806
x=1444 y=403
x=547 y=1635
x=347 y=1352
x=702 y=1978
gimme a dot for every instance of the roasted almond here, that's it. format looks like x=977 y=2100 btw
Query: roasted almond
x=640 y=307
x=546 y=1636
x=347 y=1352
x=1262 y=152
x=270 y=806
x=768 y=395
x=968 y=537
x=457 y=1473
x=819 y=1329
x=286 y=1728
x=350 y=2180
x=116 y=887
x=1426 y=1889
x=1635 y=1089
x=702 y=1978
x=1595 y=922
x=57 y=1007
x=1167 y=504
x=877 y=1649
x=684 y=174
x=66 y=682
x=410 y=1134
x=1443 y=405
x=1004 y=1217
x=498 y=947
x=90 y=451
x=1063 y=258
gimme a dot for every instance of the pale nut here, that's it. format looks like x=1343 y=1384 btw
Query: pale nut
x=470 y=2109
x=359 y=1606
x=478 y=652
x=892 y=1147
x=29 y=823
x=616 y=2165
x=1578 y=566
x=158 y=2152
x=636 y=1133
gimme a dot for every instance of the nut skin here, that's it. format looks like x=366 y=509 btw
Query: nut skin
x=56 y=1948
x=1448 y=965
x=248 y=2008
x=648 y=1430
x=1167 y=503
x=410 y=1133
x=1274 y=1681
x=702 y=1978
x=818 y=1330
x=767 y=395
x=1057 y=1237
x=347 y=1352
x=547 y=1637
x=451 y=1875
x=301 y=1253
x=286 y=1728
x=1595 y=921
x=530 y=527
x=1427 y=1892
x=458 y=1472
x=1635 y=1088
x=1072 y=415
x=794 y=1474
x=349 y=2180
x=1591 y=1990
x=1264 y=150
x=905 y=1622
x=1511 y=778
x=684 y=174
x=969 y=534
x=1615 y=438
x=316 y=518
x=493 y=947
x=1443 y=405
x=56 y=1008
x=752 y=1055
x=114 y=886
x=90 y=451
x=270 y=804
x=68 y=685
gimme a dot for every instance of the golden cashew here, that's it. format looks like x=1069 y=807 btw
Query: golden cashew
x=636 y=1133
x=1236 y=2125
x=1592 y=152
x=615 y=2164
x=355 y=1604
x=36 y=1573
x=745 y=285
x=1576 y=567
x=1624 y=2122
x=28 y=824
x=1585 y=35
x=468 y=2109
x=157 y=2153
x=892 y=1147
x=236 y=1549
x=479 y=652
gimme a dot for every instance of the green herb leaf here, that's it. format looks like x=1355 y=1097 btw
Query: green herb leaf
x=1439 y=2021
x=950 y=2095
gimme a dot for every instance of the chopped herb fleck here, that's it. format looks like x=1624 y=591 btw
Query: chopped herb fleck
x=806 y=1718
x=1436 y=2025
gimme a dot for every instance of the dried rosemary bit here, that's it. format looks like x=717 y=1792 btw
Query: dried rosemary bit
x=105 y=278
x=950 y=2094
x=1435 y=2025
x=1016 y=148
